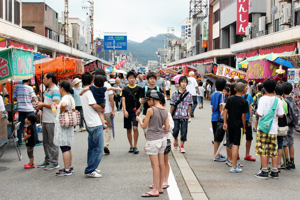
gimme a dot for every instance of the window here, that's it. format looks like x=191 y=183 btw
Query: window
x=1 y=10
x=216 y=43
x=297 y=18
x=276 y=25
x=216 y=16
x=17 y=13
x=56 y=15
x=45 y=7
x=8 y=9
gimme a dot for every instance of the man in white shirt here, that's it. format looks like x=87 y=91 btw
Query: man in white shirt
x=94 y=128
x=193 y=89
x=168 y=87
x=109 y=111
x=2 y=108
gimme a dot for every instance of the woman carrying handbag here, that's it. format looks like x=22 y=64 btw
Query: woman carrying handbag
x=64 y=126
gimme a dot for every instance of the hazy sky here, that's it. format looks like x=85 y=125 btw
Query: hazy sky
x=139 y=18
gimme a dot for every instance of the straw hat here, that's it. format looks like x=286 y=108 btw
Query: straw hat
x=76 y=81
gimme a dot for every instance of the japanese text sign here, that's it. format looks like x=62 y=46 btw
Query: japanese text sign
x=242 y=16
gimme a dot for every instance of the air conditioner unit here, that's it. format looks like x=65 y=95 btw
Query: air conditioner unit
x=286 y=13
x=248 y=29
x=262 y=24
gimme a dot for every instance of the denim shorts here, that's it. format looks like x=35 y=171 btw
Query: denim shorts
x=200 y=99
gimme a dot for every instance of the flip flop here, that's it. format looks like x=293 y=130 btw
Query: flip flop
x=150 y=195
x=164 y=186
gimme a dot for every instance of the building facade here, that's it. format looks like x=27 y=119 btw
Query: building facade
x=41 y=19
x=11 y=11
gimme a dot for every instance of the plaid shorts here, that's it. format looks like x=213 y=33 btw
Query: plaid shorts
x=266 y=144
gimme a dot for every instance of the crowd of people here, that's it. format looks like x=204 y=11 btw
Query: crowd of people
x=95 y=97
x=276 y=115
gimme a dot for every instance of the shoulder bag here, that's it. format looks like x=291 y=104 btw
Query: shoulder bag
x=181 y=98
x=69 y=118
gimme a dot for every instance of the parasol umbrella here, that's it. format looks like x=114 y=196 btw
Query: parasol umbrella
x=120 y=71
x=177 y=77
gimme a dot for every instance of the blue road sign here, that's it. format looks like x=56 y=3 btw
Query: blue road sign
x=99 y=49
x=115 y=42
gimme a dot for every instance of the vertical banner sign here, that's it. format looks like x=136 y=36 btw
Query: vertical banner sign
x=242 y=16
x=204 y=33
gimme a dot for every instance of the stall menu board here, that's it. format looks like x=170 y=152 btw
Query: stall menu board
x=294 y=79
x=92 y=66
x=229 y=72
x=16 y=64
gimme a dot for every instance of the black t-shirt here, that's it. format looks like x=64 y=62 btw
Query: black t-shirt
x=236 y=106
x=31 y=141
x=146 y=106
x=132 y=97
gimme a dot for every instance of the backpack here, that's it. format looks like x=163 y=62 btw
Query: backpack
x=265 y=123
x=146 y=89
x=293 y=113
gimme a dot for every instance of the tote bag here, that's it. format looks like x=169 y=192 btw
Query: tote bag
x=69 y=118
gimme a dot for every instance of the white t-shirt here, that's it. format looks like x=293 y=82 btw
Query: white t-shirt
x=209 y=88
x=191 y=87
x=249 y=90
x=2 y=108
x=68 y=99
x=171 y=122
x=168 y=85
x=265 y=104
x=91 y=117
x=201 y=90
x=107 y=93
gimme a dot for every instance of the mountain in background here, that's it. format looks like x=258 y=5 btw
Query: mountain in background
x=147 y=49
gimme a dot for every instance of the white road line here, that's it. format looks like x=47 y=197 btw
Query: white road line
x=173 y=190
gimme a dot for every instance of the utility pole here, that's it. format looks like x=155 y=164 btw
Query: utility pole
x=66 y=21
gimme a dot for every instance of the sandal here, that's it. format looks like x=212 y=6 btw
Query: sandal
x=228 y=163
x=147 y=194
x=164 y=186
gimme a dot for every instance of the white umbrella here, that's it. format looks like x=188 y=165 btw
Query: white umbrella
x=120 y=72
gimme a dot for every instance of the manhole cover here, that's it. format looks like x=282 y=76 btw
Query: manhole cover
x=3 y=169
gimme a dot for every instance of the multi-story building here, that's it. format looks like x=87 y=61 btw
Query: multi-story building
x=41 y=19
x=273 y=28
x=11 y=11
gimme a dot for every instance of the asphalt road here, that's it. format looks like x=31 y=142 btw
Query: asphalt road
x=127 y=176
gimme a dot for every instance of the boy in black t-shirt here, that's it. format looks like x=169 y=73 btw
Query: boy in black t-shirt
x=236 y=108
x=30 y=139
x=131 y=95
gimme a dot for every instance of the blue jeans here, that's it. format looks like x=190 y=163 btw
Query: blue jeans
x=182 y=125
x=195 y=102
x=95 y=147
x=22 y=117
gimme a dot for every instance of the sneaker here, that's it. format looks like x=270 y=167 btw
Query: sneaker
x=176 y=143
x=82 y=129
x=236 y=170
x=28 y=166
x=181 y=149
x=43 y=165
x=38 y=143
x=135 y=150
x=219 y=159
x=71 y=170
x=249 y=158
x=98 y=171
x=51 y=167
x=94 y=174
x=106 y=150
x=131 y=150
x=274 y=175
x=222 y=156
x=262 y=174
x=63 y=173
x=292 y=166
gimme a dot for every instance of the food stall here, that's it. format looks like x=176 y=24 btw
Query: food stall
x=15 y=64
x=91 y=66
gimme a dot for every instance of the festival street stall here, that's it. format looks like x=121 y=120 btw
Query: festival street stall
x=15 y=65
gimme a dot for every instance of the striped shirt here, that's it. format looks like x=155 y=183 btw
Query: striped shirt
x=24 y=95
x=51 y=95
